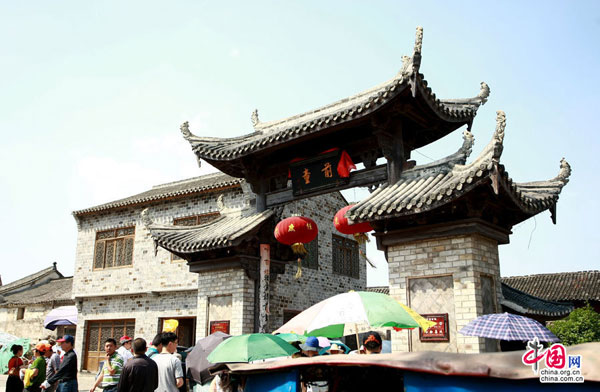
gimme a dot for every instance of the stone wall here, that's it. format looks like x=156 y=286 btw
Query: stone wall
x=444 y=275
x=32 y=324
x=288 y=293
x=229 y=282
x=146 y=309
x=147 y=272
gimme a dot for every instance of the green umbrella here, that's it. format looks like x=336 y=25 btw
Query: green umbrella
x=338 y=315
x=6 y=354
x=292 y=337
x=251 y=347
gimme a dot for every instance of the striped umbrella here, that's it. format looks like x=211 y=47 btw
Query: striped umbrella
x=344 y=314
x=507 y=326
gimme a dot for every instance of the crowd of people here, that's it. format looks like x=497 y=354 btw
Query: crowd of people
x=132 y=367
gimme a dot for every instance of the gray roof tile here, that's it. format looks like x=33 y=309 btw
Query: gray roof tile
x=54 y=291
x=186 y=187
x=30 y=279
x=227 y=230
x=348 y=109
x=524 y=303
x=426 y=187
x=562 y=286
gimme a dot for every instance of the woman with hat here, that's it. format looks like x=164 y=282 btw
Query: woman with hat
x=39 y=367
x=125 y=350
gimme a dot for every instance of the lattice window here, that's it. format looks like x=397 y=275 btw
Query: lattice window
x=311 y=260
x=193 y=221
x=114 y=248
x=345 y=256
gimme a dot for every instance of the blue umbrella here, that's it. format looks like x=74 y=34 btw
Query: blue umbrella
x=64 y=315
x=507 y=326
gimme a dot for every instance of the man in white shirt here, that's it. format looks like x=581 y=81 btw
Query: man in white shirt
x=125 y=350
x=170 y=371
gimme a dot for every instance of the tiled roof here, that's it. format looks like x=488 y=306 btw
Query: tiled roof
x=427 y=187
x=54 y=291
x=269 y=134
x=562 y=286
x=528 y=304
x=516 y=300
x=226 y=231
x=29 y=279
x=379 y=289
x=173 y=189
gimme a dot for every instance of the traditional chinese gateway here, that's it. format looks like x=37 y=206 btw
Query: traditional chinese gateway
x=439 y=224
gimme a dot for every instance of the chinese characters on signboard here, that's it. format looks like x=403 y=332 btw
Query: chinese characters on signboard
x=437 y=333
x=316 y=173
x=222 y=326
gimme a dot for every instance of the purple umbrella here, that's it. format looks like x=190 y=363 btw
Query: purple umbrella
x=64 y=315
x=507 y=326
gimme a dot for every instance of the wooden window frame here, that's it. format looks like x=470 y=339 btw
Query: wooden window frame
x=20 y=313
x=312 y=256
x=347 y=245
x=199 y=218
x=114 y=238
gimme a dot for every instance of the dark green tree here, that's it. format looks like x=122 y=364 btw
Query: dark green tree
x=580 y=326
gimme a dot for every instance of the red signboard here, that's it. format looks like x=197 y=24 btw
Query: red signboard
x=437 y=333
x=222 y=326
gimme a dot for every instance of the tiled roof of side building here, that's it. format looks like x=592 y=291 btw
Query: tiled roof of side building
x=562 y=286
x=528 y=304
x=30 y=279
x=186 y=187
x=427 y=187
x=56 y=291
x=516 y=300
x=345 y=110
x=228 y=230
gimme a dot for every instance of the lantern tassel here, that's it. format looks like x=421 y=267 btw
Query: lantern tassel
x=361 y=238
x=299 y=270
x=299 y=249
x=363 y=254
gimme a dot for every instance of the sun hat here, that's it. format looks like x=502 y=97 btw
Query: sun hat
x=312 y=344
x=125 y=339
x=43 y=347
x=66 y=338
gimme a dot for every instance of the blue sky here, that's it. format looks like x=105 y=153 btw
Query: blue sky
x=93 y=95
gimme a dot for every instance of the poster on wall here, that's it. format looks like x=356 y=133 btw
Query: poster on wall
x=221 y=326
x=437 y=333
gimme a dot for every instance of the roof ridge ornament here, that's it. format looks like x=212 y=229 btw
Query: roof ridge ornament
x=254 y=118
x=146 y=220
x=468 y=142
x=564 y=173
x=499 y=135
x=416 y=59
x=484 y=93
x=185 y=130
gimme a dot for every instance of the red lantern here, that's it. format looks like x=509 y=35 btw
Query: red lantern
x=341 y=224
x=296 y=231
x=358 y=230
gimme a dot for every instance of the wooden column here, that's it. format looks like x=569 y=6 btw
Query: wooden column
x=389 y=136
x=265 y=278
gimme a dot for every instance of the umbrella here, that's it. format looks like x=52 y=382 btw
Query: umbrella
x=6 y=354
x=64 y=315
x=6 y=338
x=292 y=337
x=196 y=361
x=507 y=326
x=338 y=315
x=251 y=347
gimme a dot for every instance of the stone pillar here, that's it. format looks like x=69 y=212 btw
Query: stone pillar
x=457 y=274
